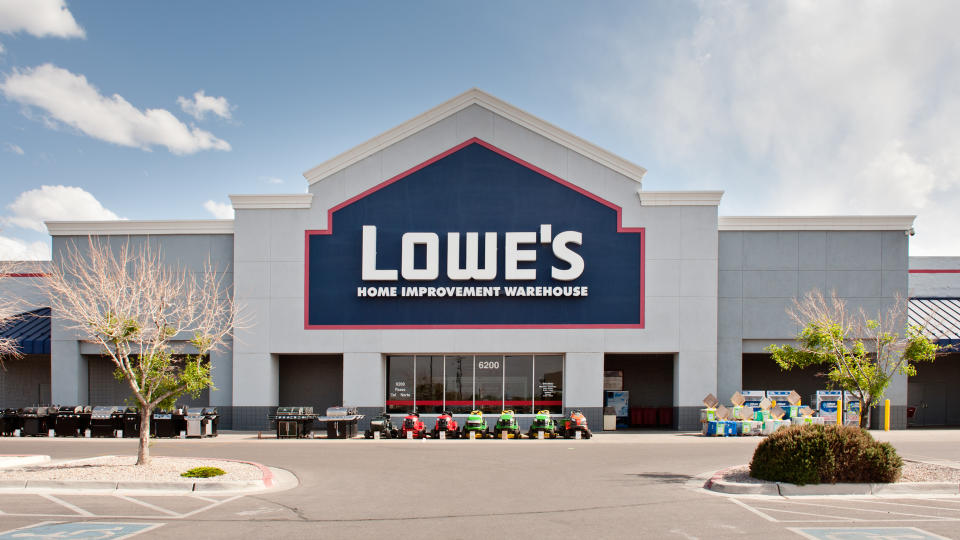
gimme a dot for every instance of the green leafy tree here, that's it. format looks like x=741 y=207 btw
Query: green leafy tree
x=861 y=353
x=157 y=322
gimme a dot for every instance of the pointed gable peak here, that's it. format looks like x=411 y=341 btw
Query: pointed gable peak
x=478 y=97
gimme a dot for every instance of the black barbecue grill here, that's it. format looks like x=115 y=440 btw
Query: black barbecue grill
x=131 y=422
x=294 y=422
x=166 y=424
x=71 y=421
x=9 y=422
x=35 y=421
x=105 y=420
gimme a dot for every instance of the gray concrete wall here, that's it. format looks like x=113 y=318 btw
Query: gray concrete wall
x=681 y=280
x=760 y=273
x=69 y=369
x=25 y=381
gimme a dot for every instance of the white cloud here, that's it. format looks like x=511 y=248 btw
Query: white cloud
x=201 y=104
x=14 y=249
x=2 y=50
x=40 y=18
x=70 y=99
x=803 y=108
x=273 y=180
x=219 y=210
x=14 y=148
x=33 y=207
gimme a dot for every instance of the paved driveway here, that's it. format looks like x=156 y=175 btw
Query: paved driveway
x=613 y=486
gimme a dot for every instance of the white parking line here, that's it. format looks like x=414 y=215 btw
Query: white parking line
x=823 y=517
x=67 y=505
x=754 y=510
x=148 y=505
x=855 y=509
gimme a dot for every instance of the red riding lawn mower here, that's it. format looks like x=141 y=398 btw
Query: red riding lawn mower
x=412 y=424
x=446 y=424
x=576 y=422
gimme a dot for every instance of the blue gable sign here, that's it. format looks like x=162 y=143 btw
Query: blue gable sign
x=474 y=238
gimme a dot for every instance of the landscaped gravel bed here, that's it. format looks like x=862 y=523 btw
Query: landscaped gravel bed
x=913 y=471
x=123 y=469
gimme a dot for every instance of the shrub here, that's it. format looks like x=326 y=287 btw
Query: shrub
x=203 y=472
x=812 y=454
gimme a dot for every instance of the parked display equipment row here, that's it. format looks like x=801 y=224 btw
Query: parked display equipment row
x=475 y=427
x=755 y=412
x=106 y=421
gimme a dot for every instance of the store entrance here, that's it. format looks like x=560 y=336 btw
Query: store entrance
x=761 y=372
x=647 y=382
x=929 y=399
x=311 y=380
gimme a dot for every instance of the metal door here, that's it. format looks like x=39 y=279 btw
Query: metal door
x=935 y=399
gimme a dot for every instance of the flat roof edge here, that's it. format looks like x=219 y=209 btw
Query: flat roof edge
x=815 y=223
x=128 y=227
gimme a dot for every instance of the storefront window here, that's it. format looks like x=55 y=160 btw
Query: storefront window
x=400 y=383
x=518 y=384
x=459 y=383
x=489 y=374
x=462 y=383
x=548 y=383
x=429 y=394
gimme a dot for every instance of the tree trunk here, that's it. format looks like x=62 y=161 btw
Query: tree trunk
x=143 y=453
x=865 y=413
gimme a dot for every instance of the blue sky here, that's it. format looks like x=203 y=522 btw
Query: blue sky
x=791 y=107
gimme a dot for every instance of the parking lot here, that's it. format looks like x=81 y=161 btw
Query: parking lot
x=612 y=486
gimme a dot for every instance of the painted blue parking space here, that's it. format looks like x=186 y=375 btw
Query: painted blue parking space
x=80 y=530
x=866 y=533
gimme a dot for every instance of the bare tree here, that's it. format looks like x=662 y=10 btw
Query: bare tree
x=9 y=314
x=140 y=311
x=863 y=352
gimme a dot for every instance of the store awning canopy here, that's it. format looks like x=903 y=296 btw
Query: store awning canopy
x=31 y=330
x=940 y=316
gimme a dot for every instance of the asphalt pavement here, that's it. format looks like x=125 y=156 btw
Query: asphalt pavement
x=638 y=485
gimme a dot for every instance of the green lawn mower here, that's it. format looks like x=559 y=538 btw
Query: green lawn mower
x=507 y=424
x=475 y=424
x=542 y=423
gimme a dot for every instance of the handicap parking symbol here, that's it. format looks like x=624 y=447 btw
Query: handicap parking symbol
x=81 y=530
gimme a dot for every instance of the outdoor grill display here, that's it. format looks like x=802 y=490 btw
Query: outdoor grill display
x=213 y=420
x=167 y=424
x=104 y=421
x=294 y=422
x=9 y=422
x=341 y=422
x=71 y=421
x=131 y=422
x=35 y=421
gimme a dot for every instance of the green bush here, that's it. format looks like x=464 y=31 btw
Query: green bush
x=812 y=454
x=203 y=472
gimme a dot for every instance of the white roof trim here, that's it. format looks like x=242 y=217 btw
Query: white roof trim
x=815 y=223
x=475 y=96
x=285 y=200
x=125 y=227
x=680 y=198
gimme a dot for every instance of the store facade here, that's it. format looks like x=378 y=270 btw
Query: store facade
x=477 y=257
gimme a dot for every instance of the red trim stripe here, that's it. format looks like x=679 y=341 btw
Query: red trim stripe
x=935 y=271
x=17 y=274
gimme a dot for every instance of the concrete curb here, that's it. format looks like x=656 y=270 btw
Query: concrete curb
x=784 y=489
x=267 y=481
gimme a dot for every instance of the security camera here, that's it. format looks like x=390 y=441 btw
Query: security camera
x=909 y=232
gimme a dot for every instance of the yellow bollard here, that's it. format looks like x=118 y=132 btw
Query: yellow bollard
x=886 y=415
x=840 y=411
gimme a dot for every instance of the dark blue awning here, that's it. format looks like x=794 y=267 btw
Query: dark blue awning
x=31 y=330
x=939 y=316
